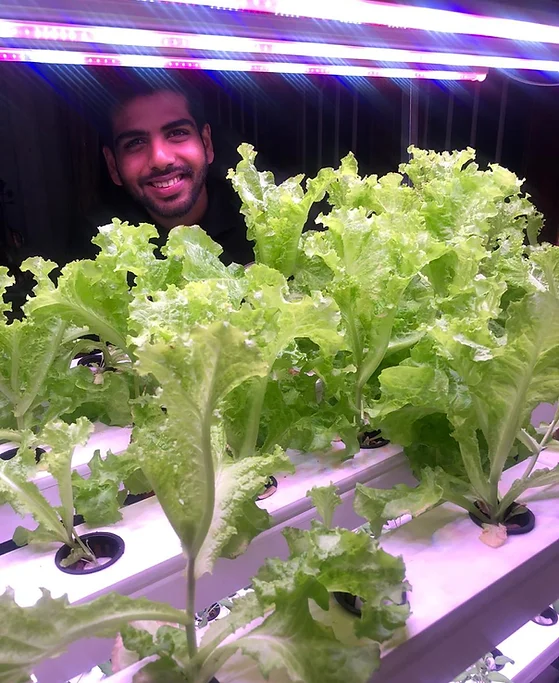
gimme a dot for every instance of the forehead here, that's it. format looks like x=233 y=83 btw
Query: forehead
x=150 y=112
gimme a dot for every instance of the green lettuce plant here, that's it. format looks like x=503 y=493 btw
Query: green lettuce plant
x=37 y=384
x=275 y=215
x=396 y=254
x=367 y=260
x=55 y=524
x=208 y=495
x=462 y=401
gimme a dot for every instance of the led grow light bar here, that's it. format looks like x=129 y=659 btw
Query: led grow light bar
x=160 y=62
x=104 y=35
x=393 y=16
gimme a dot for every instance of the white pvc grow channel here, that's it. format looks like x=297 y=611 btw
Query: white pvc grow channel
x=466 y=596
x=533 y=648
x=153 y=564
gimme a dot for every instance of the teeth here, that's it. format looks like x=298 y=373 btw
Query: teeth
x=167 y=183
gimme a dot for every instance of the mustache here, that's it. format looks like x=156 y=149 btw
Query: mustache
x=154 y=177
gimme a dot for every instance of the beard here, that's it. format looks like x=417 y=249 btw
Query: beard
x=170 y=208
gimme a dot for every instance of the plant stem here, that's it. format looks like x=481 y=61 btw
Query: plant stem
x=190 y=608
x=107 y=358
x=369 y=364
x=253 y=424
x=10 y=435
x=206 y=521
x=528 y=441
x=464 y=503
x=41 y=372
x=543 y=443
x=205 y=524
x=76 y=540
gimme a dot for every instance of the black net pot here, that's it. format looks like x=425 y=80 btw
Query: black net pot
x=497 y=653
x=547 y=617
x=91 y=359
x=270 y=487
x=372 y=439
x=12 y=452
x=521 y=523
x=107 y=548
x=352 y=603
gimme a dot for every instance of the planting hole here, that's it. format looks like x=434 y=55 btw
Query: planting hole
x=95 y=358
x=353 y=603
x=106 y=547
x=11 y=453
x=518 y=519
x=372 y=439
x=546 y=618
x=270 y=488
x=491 y=660
x=207 y=615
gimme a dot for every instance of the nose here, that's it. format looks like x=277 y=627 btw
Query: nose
x=161 y=155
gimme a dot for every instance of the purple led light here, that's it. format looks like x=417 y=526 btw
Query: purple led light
x=393 y=16
x=158 y=62
x=233 y=44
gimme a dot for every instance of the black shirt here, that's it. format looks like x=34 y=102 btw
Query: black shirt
x=222 y=221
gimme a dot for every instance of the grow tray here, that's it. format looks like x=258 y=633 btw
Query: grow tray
x=153 y=565
x=466 y=596
x=458 y=614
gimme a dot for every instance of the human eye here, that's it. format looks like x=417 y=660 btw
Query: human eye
x=134 y=143
x=179 y=133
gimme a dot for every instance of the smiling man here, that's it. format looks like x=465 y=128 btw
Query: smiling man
x=158 y=149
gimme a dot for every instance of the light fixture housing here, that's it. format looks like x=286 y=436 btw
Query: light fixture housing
x=165 y=40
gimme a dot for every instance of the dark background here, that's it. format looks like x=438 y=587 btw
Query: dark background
x=52 y=173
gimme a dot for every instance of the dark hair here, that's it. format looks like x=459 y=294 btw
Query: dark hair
x=131 y=84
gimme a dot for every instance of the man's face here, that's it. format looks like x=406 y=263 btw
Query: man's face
x=159 y=155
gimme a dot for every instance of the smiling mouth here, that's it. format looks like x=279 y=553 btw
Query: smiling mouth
x=161 y=184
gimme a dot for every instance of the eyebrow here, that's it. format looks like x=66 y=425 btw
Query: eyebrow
x=178 y=123
x=137 y=133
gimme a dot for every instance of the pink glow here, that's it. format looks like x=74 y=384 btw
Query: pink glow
x=232 y=44
x=393 y=16
x=160 y=62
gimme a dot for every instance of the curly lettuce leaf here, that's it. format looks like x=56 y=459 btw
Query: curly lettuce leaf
x=198 y=256
x=101 y=397
x=275 y=318
x=373 y=259
x=62 y=440
x=326 y=560
x=28 y=635
x=379 y=506
x=92 y=295
x=28 y=350
x=25 y=498
x=291 y=640
x=326 y=500
x=275 y=214
x=98 y=497
x=524 y=374
x=206 y=495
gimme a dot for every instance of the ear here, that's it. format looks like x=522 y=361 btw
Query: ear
x=111 y=165
x=206 y=136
